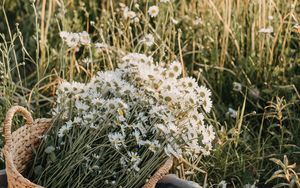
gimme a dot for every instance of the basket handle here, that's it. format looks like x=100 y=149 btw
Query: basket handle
x=161 y=172
x=8 y=121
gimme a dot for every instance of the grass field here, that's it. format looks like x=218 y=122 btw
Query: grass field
x=246 y=51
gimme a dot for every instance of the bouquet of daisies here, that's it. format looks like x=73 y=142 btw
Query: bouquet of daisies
x=119 y=128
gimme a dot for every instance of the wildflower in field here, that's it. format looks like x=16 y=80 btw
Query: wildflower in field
x=117 y=139
x=148 y=40
x=64 y=35
x=128 y=14
x=266 y=30
x=222 y=184
x=237 y=86
x=174 y=21
x=73 y=40
x=85 y=38
x=139 y=109
x=101 y=46
x=65 y=129
x=86 y=60
x=270 y=17
x=197 y=21
x=153 y=11
x=231 y=112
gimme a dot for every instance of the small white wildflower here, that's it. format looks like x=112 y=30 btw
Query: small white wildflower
x=222 y=184
x=65 y=129
x=163 y=128
x=207 y=104
x=173 y=150
x=174 y=21
x=148 y=40
x=101 y=45
x=154 y=145
x=237 y=86
x=81 y=106
x=270 y=17
x=128 y=14
x=64 y=35
x=176 y=68
x=85 y=38
x=232 y=113
x=135 y=160
x=96 y=156
x=73 y=40
x=136 y=19
x=266 y=30
x=134 y=157
x=122 y=5
x=153 y=11
x=203 y=92
x=197 y=21
x=86 y=60
x=117 y=139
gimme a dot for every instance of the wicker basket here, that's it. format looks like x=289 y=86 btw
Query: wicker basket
x=18 y=149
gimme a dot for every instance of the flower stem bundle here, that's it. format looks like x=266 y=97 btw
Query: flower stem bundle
x=119 y=128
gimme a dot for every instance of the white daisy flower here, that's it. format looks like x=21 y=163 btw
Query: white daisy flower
x=173 y=150
x=64 y=35
x=174 y=21
x=65 y=129
x=101 y=46
x=73 y=40
x=153 y=11
x=81 y=106
x=148 y=40
x=237 y=86
x=232 y=113
x=203 y=93
x=117 y=139
x=85 y=38
x=176 y=68
x=128 y=14
x=207 y=104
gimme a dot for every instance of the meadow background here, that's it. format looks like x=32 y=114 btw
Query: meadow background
x=246 y=51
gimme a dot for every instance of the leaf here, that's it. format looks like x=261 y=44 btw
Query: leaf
x=281 y=185
x=52 y=157
x=278 y=162
x=275 y=177
x=286 y=160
